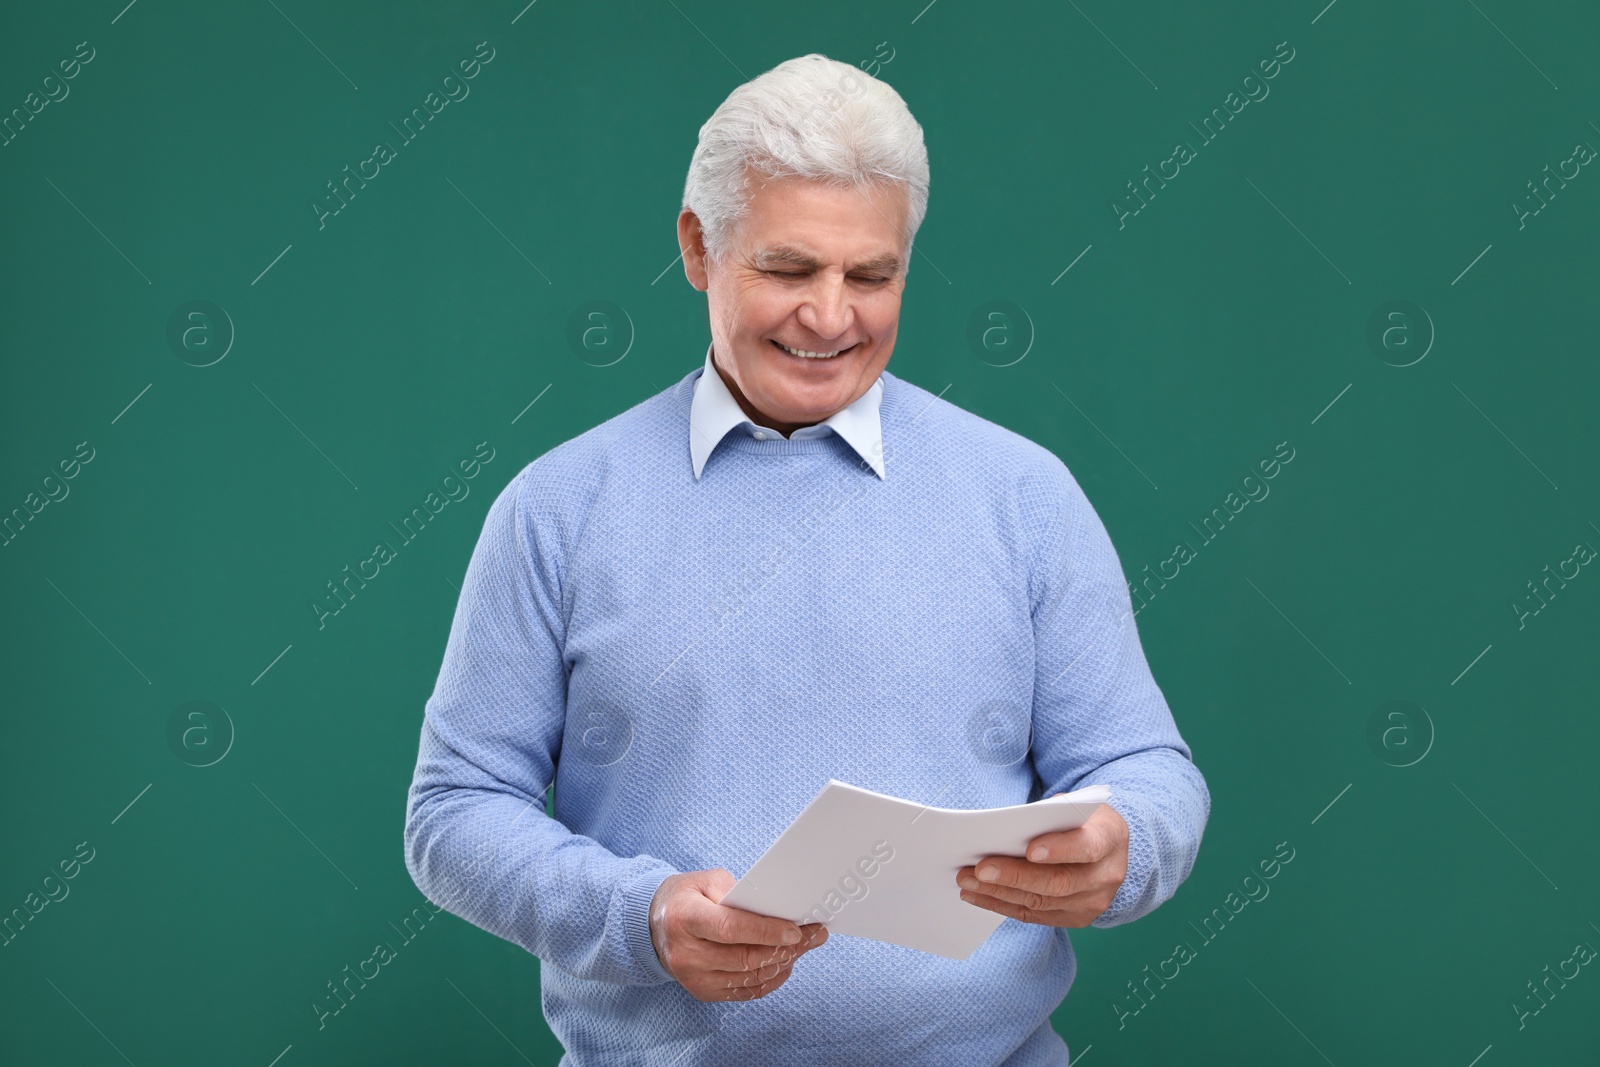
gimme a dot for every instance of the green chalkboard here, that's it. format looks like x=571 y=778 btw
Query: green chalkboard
x=1372 y=273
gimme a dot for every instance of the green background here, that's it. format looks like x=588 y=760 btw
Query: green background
x=369 y=356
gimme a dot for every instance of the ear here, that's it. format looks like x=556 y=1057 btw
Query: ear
x=692 y=241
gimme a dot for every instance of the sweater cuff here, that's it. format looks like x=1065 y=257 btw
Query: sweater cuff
x=1132 y=890
x=636 y=896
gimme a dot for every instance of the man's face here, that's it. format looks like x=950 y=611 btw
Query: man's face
x=813 y=268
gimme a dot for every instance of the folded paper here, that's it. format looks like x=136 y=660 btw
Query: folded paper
x=880 y=867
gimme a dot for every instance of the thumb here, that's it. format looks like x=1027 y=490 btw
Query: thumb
x=715 y=884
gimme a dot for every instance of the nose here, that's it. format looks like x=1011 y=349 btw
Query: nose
x=825 y=308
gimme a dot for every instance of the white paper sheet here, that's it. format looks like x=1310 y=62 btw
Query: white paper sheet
x=884 y=868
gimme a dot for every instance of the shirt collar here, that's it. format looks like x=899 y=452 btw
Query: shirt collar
x=714 y=412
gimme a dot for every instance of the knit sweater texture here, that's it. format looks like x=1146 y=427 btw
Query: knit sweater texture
x=648 y=674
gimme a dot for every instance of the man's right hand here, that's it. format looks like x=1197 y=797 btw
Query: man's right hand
x=720 y=953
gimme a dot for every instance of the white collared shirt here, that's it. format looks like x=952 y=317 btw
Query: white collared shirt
x=714 y=412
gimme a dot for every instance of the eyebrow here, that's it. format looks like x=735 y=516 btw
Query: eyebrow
x=789 y=255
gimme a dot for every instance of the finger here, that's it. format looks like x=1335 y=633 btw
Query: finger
x=1046 y=879
x=1027 y=899
x=762 y=957
x=1069 y=846
x=767 y=973
x=714 y=956
x=1104 y=833
x=737 y=959
x=720 y=988
x=995 y=904
x=735 y=926
x=1029 y=915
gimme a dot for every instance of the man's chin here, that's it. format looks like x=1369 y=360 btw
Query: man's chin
x=787 y=424
x=805 y=409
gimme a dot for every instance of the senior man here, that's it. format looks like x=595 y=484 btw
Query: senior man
x=791 y=566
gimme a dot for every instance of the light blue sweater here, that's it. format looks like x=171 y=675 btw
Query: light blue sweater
x=688 y=662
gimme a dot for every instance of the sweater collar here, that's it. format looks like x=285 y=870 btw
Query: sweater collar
x=714 y=413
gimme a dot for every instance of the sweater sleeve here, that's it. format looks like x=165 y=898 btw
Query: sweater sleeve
x=478 y=841
x=1099 y=716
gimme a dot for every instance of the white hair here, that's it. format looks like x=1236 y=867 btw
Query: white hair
x=812 y=118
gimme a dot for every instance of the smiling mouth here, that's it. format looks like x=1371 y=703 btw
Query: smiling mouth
x=804 y=354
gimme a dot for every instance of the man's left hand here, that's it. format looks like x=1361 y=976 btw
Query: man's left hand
x=1068 y=878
